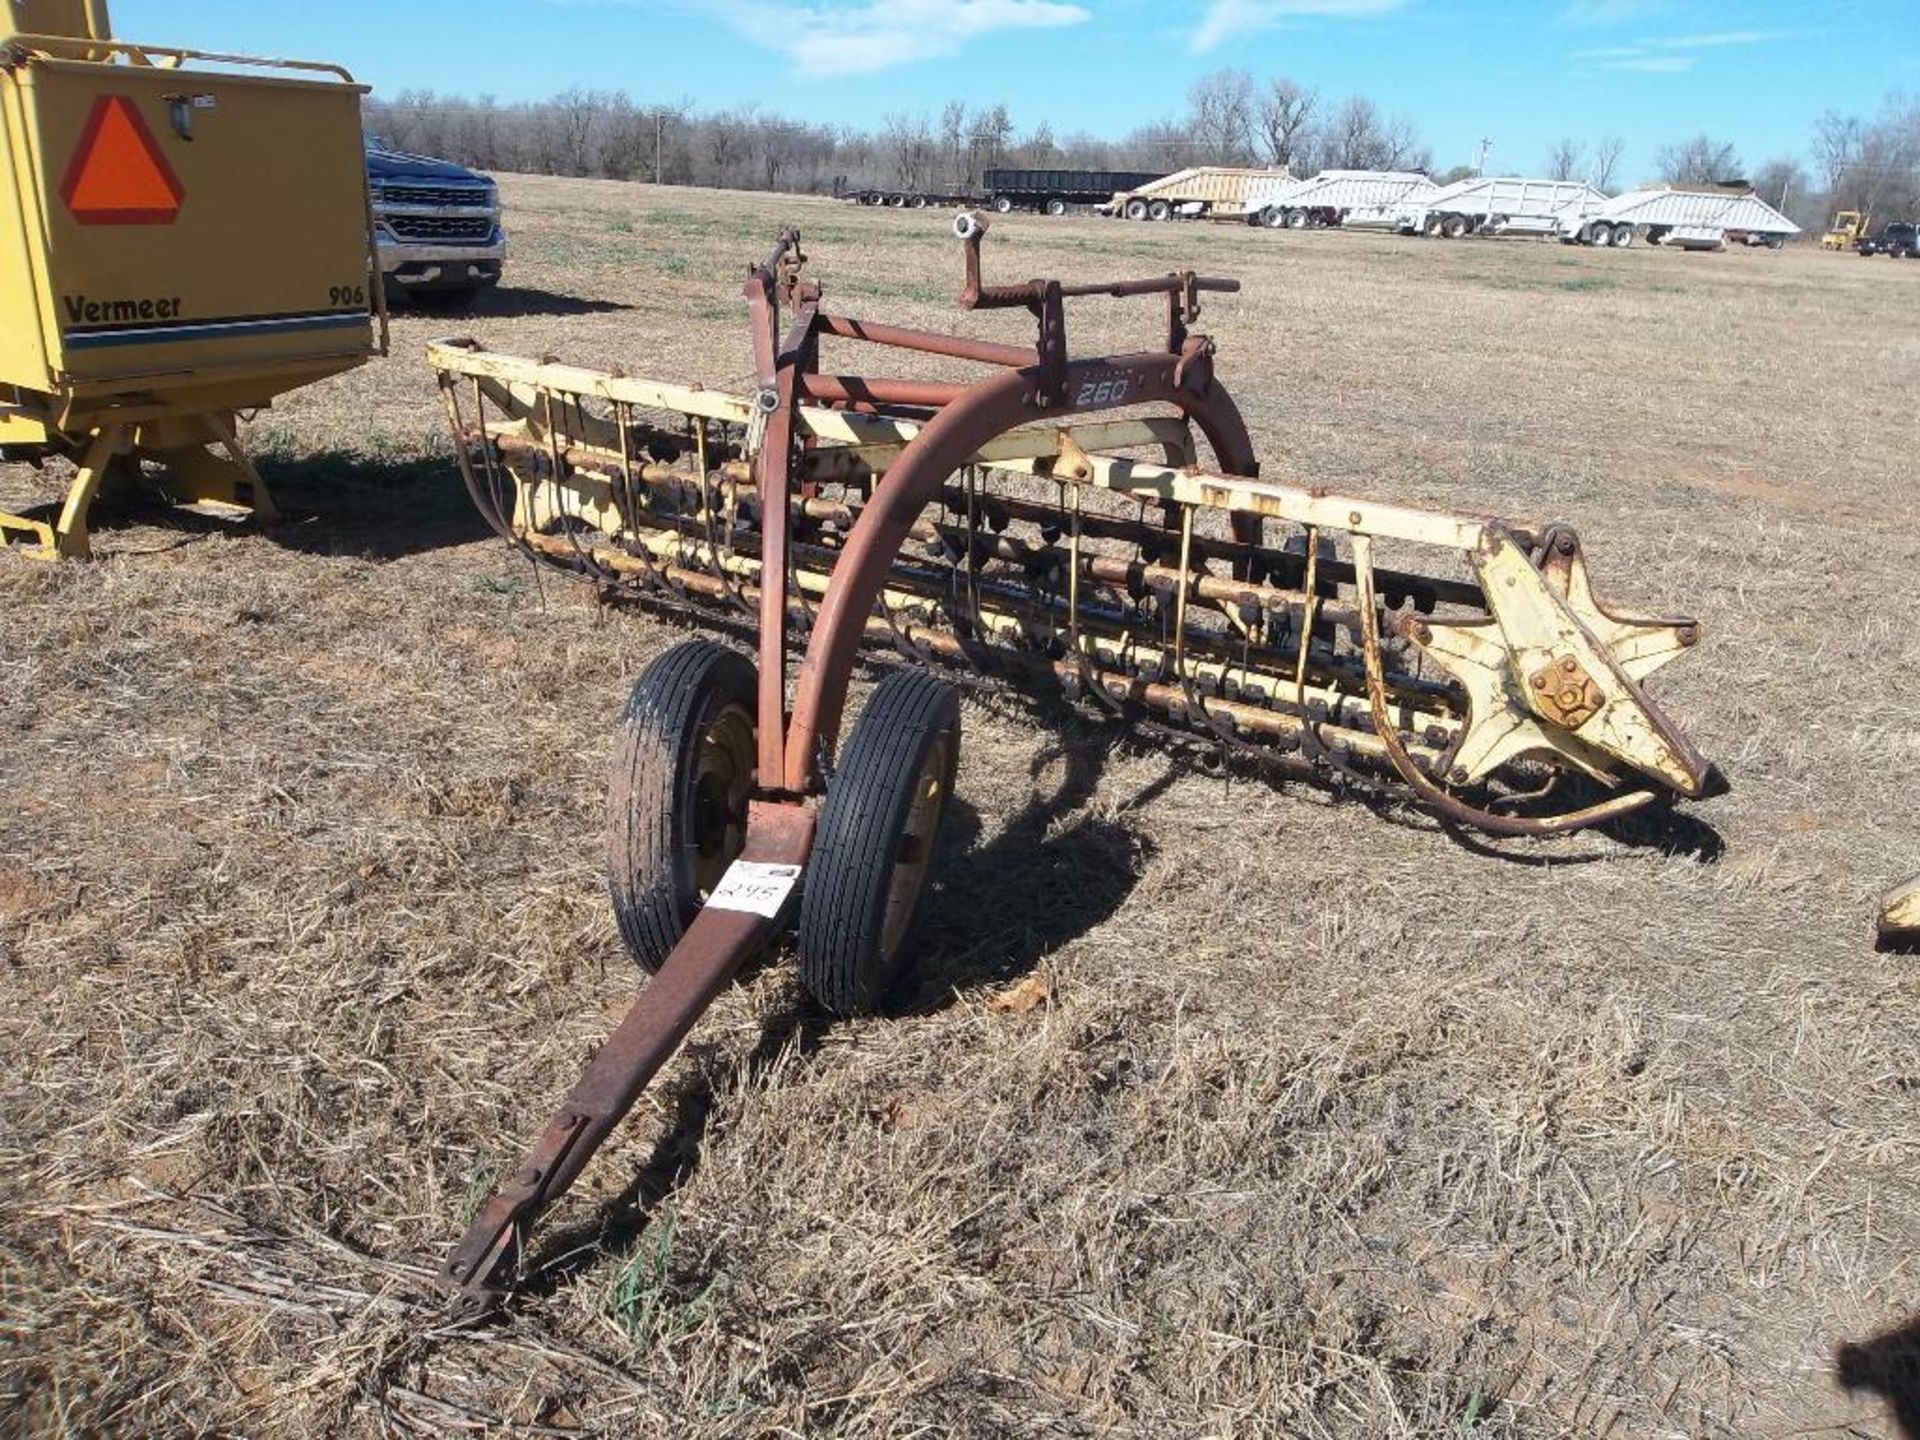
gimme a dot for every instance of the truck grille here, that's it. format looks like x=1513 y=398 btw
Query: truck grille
x=442 y=228
x=436 y=197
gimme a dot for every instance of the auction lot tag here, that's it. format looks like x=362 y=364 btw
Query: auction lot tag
x=754 y=888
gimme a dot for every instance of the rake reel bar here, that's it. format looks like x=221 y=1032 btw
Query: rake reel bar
x=1013 y=529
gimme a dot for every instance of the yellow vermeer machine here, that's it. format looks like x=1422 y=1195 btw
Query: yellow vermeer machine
x=183 y=237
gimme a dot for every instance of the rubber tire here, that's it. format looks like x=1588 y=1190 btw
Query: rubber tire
x=650 y=805
x=1453 y=227
x=1002 y=205
x=843 y=908
x=1623 y=237
x=1159 y=210
x=1136 y=210
x=1598 y=234
x=1296 y=220
x=1056 y=208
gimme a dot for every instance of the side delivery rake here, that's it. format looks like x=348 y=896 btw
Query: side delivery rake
x=1010 y=530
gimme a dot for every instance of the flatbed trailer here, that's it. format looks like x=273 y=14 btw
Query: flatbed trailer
x=1685 y=219
x=910 y=199
x=1327 y=199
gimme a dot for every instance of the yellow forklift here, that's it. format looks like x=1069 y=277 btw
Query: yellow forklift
x=1845 y=232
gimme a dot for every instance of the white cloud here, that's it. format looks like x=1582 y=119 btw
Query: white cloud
x=858 y=39
x=1226 y=18
x=1672 y=55
x=1722 y=38
x=1652 y=64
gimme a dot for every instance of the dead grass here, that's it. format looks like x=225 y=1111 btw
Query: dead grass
x=1323 y=1124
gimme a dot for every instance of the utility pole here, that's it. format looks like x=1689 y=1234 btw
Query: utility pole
x=659 y=132
x=1486 y=144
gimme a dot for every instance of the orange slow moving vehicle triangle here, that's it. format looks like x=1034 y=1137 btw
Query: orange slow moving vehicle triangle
x=119 y=175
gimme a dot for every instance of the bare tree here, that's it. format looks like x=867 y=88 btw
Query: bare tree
x=1606 y=160
x=1836 y=146
x=1400 y=147
x=1699 y=161
x=910 y=139
x=1286 y=113
x=1563 y=160
x=1221 y=117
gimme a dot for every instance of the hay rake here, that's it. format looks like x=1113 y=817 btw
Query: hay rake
x=1047 y=524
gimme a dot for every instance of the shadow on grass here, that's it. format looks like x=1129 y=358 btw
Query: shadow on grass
x=338 y=502
x=997 y=910
x=507 y=302
x=1889 y=1366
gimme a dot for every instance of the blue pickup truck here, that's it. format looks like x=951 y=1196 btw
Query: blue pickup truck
x=437 y=225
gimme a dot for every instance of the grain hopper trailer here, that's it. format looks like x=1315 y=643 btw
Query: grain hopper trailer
x=1046 y=524
x=1684 y=219
x=186 y=237
x=1205 y=192
x=1329 y=197
x=1495 y=205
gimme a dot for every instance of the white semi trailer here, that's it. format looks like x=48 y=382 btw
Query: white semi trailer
x=1331 y=196
x=1687 y=219
x=1494 y=205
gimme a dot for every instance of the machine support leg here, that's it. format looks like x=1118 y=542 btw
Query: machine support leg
x=71 y=539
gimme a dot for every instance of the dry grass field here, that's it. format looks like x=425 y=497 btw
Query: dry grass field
x=1329 y=1124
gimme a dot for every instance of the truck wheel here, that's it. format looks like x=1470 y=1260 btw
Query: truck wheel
x=1002 y=204
x=1159 y=210
x=1056 y=207
x=1136 y=209
x=1622 y=237
x=874 y=198
x=919 y=202
x=1432 y=227
x=875 y=844
x=1598 y=234
x=683 y=765
x=1453 y=227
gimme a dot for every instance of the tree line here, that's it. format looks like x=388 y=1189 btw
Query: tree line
x=1230 y=118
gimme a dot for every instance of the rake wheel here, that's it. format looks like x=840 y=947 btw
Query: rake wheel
x=876 y=840
x=683 y=768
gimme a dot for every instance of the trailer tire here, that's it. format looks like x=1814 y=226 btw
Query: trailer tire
x=1598 y=234
x=1055 y=207
x=677 y=806
x=1002 y=204
x=1623 y=237
x=876 y=840
x=1452 y=227
x=1159 y=210
x=1136 y=210
x=1432 y=228
x=918 y=202
x=1296 y=219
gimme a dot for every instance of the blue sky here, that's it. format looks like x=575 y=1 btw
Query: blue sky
x=1756 y=72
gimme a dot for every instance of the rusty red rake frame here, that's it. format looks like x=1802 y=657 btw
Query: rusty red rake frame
x=795 y=731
